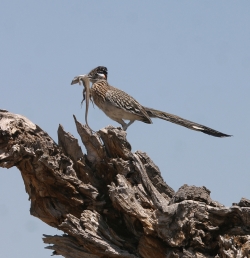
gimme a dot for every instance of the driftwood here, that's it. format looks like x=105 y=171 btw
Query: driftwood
x=111 y=202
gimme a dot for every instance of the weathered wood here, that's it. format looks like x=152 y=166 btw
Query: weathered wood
x=111 y=202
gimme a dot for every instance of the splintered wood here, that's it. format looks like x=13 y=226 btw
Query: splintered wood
x=111 y=202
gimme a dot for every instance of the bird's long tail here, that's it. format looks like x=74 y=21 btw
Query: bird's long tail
x=183 y=122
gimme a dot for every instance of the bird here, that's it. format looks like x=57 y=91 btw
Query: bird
x=120 y=106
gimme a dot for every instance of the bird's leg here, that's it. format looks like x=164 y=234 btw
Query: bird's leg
x=125 y=126
x=130 y=123
x=121 y=122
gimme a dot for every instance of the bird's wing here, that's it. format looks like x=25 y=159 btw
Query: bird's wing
x=122 y=100
x=183 y=122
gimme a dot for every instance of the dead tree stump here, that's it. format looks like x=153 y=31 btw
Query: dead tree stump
x=111 y=202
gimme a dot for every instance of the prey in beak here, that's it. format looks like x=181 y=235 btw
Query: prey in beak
x=84 y=80
x=79 y=79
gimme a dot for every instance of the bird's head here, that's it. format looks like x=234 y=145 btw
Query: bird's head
x=98 y=73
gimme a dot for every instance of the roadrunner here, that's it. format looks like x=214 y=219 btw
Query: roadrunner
x=120 y=106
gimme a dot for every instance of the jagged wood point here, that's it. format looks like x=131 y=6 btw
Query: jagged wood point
x=111 y=202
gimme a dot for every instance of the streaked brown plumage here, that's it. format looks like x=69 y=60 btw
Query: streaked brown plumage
x=119 y=106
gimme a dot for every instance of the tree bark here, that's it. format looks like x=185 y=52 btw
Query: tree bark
x=111 y=202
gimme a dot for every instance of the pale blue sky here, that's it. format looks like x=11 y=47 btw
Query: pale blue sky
x=189 y=58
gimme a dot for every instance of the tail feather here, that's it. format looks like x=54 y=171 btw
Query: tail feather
x=183 y=122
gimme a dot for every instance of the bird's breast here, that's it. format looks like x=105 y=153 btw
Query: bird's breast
x=98 y=92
